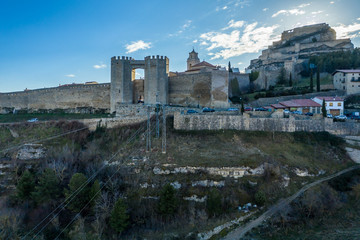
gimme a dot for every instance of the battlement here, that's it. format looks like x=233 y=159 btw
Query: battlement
x=156 y=57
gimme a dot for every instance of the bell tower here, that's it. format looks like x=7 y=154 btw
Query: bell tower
x=193 y=59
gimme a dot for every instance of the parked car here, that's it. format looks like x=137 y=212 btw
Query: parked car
x=329 y=116
x=232 y=109
x=286 y=111
x=309 y=114
x=296 y=112
x=355 y=117
x=33 y=120
x=248 y=109
x=342 y=117
x=261 y=109
x=206 y=109
x=191 y=111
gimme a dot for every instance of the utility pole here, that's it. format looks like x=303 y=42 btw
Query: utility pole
x=148 y=135
x=164 y=130
x=157 y=110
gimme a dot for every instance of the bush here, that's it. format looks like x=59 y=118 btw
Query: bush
x=84 y=196
x=260 y=198
x=213 y=203
x=48 y=187
x=25 y=186
x=167 y=202
x=119 y=219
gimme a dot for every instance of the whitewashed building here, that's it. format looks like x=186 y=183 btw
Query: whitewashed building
x=347 y=80
x=334 y=105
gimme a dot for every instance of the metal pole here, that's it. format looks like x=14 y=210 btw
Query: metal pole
x=164 y=130
x=148 y=143
x=157 y=121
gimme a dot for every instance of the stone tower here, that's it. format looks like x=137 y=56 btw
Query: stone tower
x=156 y=83
x=121 y=84
x=193 y=59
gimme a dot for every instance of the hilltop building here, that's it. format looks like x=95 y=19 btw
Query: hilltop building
x=293 y=51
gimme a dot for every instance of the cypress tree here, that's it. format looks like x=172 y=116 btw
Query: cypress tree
x=119 y=219
x=242 y=107
x=311 y=81
x=290 y=80
x=25 y=186
x=318 y=80
x=168 y=201
x=323 y=109
x=230 y=69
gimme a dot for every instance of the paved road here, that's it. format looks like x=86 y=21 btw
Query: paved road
x=242 y=230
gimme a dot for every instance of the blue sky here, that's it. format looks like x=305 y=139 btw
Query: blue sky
x=47 y=43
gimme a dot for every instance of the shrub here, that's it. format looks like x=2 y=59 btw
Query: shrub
x=213 y=203
x=167 y=202
x=25 y=186
x=119 y=219
x=48 y=187
x=260 y=198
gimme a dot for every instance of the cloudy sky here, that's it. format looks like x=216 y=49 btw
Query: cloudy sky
x=46 y=43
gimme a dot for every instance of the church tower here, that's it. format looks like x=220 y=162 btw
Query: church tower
x=193 y=59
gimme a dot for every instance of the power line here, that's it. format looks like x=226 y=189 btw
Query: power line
x=42 y=140
x=74 y=194
x=90 y=200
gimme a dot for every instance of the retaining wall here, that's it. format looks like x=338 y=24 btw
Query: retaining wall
x=245 y=122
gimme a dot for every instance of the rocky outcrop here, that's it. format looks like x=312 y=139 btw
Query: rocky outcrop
x=293 y=51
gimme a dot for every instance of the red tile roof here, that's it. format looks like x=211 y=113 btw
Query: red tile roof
x=278 y=106
x=300 y=103
x=331 y=98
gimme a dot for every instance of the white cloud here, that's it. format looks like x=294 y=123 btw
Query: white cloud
x=265 y=9
x=317 y=12
x=225 y=7
x=240 y=63
x=348 y=31
x=304 y=5
x=135 y=46
x=233 y=24
x=99 y=66
x=332 y=2
x=70 y=75
x=186 y=25
x=195 y=41
x=252 y=39
x=294 y=11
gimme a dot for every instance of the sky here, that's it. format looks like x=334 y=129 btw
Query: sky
x=46 y=43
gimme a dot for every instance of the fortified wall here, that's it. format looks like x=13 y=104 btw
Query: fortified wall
x=294 y=50
x=90 y=98
x=246 y=123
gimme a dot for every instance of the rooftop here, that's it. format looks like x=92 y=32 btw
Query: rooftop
x=330 y=98
x=300 y=103
x=346 y=71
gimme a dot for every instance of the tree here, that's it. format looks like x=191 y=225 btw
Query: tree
x=25 y=186
x=119 y=219
x=230 y=69
x=290 y=80
x=311 y=81
x=242 y=107
x=253 y=76
x=318 y=80
x=213 y=202
x=85 y=196
x=48 y=187
x=168 y=202
x=282 y=76
x=323 y=108
x=235 y=89
x=260 y=198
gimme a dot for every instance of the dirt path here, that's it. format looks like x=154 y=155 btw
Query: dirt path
x=242 y=230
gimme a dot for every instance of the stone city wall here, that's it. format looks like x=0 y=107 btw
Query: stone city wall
x=77 y=99
x=238 y=122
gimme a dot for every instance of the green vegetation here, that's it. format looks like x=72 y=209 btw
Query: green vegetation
x=281 y=80
x=138 y=203
x=253 y=76
x=323 y=108
x=119 y=219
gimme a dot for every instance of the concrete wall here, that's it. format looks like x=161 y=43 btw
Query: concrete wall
x=80 y=98
x=238 y=122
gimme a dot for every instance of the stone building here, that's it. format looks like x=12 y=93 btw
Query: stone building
x=293 y=51
x=202 y=84
x=347 y=80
